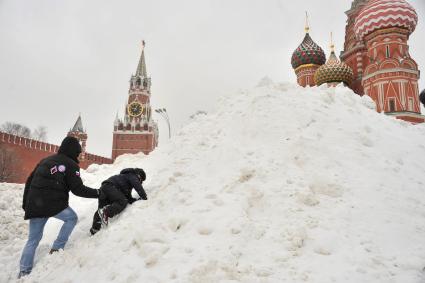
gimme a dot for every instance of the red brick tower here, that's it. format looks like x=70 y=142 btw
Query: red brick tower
x=306 y=59
x=78 y=132
x=137 y=132
x=379 y=55
x=391 y=77
x=355 y=51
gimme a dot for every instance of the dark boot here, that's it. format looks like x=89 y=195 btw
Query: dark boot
x=97 y=223
x=53 y=251
x=93 y=231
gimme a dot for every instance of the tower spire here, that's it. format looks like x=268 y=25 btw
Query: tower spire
x=141 y=68
x=332 y=46
x=79 y=133
x=307 y=25
x=78 y=126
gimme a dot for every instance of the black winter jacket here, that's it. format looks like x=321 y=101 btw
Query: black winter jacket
x=125 y=182
x=47 y=188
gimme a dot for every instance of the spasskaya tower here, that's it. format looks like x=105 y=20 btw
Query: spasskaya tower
x=137 y=132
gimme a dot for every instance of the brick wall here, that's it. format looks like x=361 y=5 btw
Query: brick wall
x=28 y=152
x=132 y=143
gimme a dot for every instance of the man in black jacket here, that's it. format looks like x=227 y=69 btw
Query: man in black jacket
x=46 y=195
x=116 y=194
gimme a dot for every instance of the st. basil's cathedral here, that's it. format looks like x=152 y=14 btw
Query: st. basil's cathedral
x=375 y=60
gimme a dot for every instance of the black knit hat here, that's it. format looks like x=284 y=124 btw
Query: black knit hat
x=70 y=147
x=137 y=171
x=141 y=173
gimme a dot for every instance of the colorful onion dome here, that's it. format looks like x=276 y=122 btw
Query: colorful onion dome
x=381 y=14
x=334 y=71
x=308 y=53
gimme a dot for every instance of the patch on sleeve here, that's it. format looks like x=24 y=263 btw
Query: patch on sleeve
x=61 y=168
x=53 y=170
x=77 y=173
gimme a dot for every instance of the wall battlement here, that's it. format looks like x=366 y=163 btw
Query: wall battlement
x=28 y=143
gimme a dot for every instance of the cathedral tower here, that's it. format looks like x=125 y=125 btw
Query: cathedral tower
x=334 y=71
x=137 y=132
x=390 y=76
x=355 y=51
x=306 y=59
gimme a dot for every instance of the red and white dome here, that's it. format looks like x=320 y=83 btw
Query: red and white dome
x=380 y=14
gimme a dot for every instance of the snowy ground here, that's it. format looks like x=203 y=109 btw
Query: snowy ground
x=280 y=184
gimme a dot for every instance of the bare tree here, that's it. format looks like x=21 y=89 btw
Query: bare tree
x=40 y=133
x=16 y=129
x=7 y=161
x=23 y=131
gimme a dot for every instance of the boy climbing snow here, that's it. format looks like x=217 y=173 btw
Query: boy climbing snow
x=116 y=194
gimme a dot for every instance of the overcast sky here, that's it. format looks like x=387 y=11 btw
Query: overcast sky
x=62 y=58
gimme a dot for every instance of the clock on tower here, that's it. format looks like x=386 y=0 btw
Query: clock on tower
x=135 y=109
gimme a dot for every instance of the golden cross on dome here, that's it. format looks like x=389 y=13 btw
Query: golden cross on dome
x=307 y=26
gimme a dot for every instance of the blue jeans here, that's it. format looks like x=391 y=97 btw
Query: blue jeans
x=68 y=216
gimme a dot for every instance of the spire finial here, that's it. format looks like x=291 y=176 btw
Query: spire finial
x=141 y=67
x=307 y=25
x=332 y=43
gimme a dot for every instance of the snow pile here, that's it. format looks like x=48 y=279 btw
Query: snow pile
x=280 y=184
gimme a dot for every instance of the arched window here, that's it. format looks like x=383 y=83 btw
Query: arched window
x=410 y=104
x=391 y=105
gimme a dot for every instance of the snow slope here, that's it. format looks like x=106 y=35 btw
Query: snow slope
x=280 y=184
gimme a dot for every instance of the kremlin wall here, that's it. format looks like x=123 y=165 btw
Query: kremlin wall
x=375 y=61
